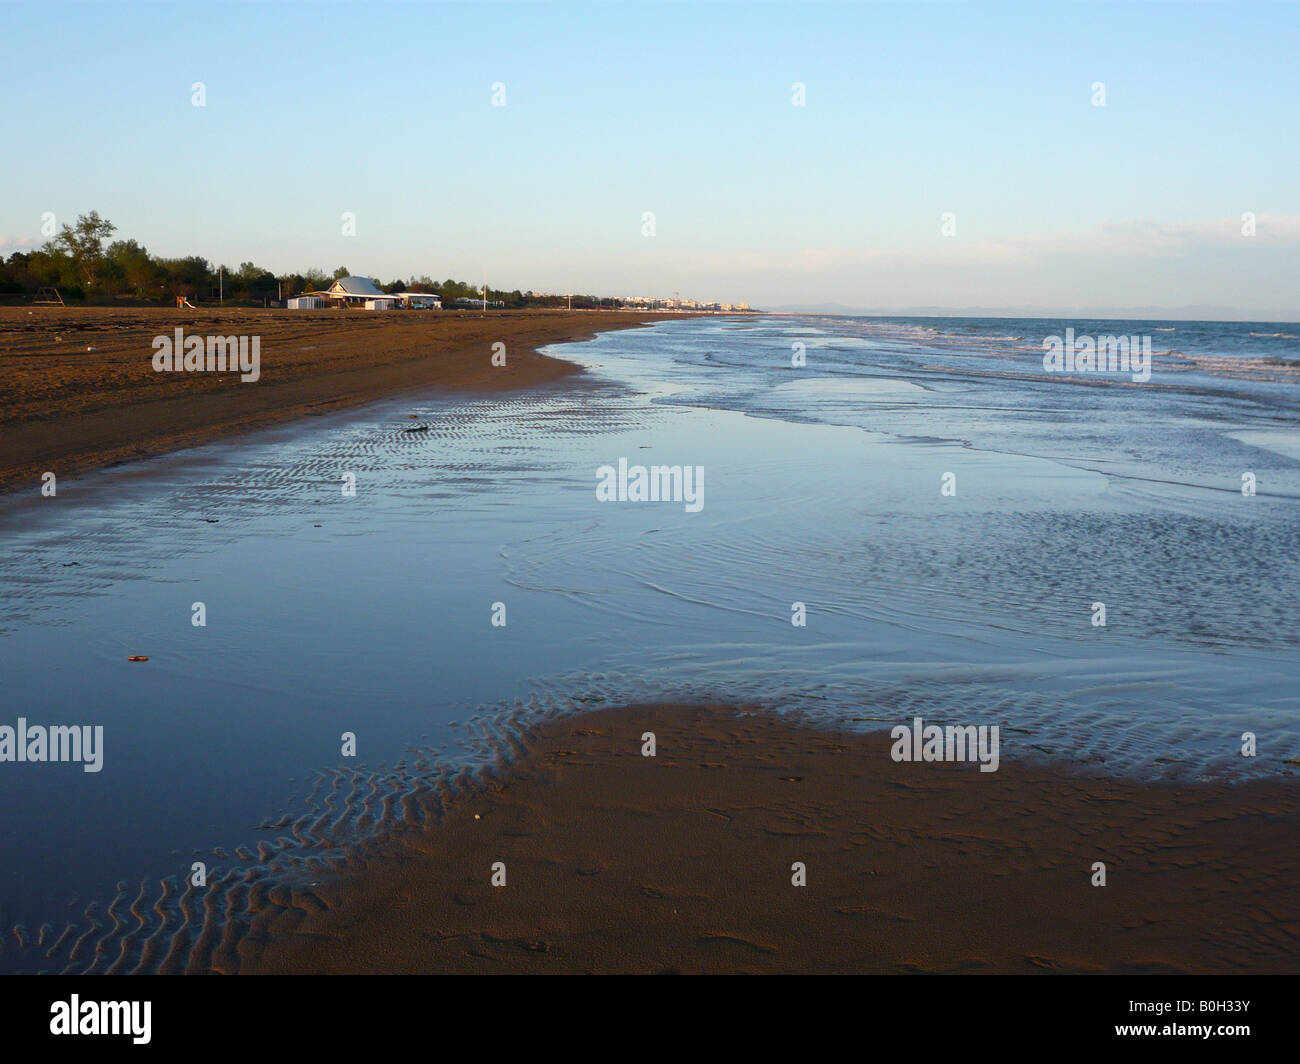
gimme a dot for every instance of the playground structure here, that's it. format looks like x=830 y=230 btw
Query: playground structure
x=48 y=297
x=182 y=301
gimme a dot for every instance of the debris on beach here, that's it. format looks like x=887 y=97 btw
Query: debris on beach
x=138 y=657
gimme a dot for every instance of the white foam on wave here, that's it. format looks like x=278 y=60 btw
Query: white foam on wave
x=856 y=388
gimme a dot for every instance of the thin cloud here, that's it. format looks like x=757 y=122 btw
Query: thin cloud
x=9 y=244
x=1128 y=239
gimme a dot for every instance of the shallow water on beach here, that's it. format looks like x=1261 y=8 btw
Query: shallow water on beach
x=373 y=614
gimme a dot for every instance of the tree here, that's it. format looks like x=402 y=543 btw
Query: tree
x=453 y=290
x=291 y=284
x=82 y=243
x=190 y=276
x=11 y=274
x=50 y=265
x=342 y=271
x=253 y=282
x=139 y=273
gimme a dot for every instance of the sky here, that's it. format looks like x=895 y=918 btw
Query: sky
x=654 y=149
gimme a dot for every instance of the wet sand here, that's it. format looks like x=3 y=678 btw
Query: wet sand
x=617 y=862
x=67 y=409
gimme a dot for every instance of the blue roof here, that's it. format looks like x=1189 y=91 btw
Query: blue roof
x=357 y=286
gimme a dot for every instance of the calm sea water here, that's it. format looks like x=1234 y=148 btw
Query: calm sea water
x=373 y=614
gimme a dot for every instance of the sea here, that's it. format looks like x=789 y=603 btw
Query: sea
x=897 y=518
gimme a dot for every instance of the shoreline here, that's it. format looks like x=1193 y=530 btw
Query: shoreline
x=615 y=862
x=70 y=410
x=682 y=862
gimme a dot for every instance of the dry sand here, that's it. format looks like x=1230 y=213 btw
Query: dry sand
x=682 y=863
x=66 y=409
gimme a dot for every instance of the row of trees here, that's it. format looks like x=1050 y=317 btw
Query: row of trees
x=83 y=261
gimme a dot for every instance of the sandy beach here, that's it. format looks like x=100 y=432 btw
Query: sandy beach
x=616 y=862
x=479 y=500
x=612 y=861
x=78 y=390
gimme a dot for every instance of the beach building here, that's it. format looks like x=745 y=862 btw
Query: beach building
x=305 y=303
x=362 y=291
x=354 y=290
x=418 y=300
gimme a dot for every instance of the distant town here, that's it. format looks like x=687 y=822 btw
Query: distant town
x=655 y=303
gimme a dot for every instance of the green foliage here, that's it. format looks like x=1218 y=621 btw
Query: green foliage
x=82 y=242
x=192 y=277
x=76 y=262
x=133 y=269
x=291 y=284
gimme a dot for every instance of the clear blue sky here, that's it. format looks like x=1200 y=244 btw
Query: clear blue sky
x=613 y=110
